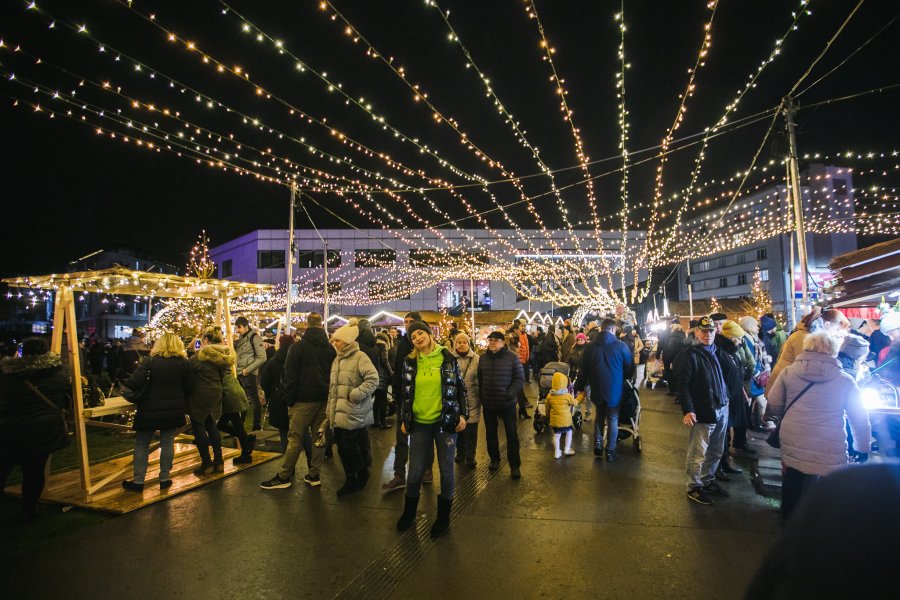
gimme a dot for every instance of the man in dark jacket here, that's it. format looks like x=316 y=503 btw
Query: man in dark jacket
x=401 y=448
x=703 y=396
x=500 y=379
x=307 y=373
x=605 y=365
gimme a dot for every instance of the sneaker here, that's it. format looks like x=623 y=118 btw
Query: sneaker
x=495 y=464
x=428 y=477
x=312 y=481
x=557 y=454
x=610 y=456
x=165 y=484
x=721 y=476
x=598 y=451
x=131 y=486
x=699 y=496
x=713 y=487
x=569 y=452
x=276 y=483
x=515 y=473
x=398 y=482
x=726 y=468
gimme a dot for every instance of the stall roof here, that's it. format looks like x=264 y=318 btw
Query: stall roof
x=121 y=280
x=865 y=276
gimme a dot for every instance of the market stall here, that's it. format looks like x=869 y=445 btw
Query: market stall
x=89 y=485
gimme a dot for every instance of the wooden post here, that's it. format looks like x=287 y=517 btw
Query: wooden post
x=229 y=331
x=67 y=302
x=58 y=318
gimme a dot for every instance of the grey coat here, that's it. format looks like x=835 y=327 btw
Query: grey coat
x=813 y=438
x=354 y=380
x=251 y=354
x=468 y=368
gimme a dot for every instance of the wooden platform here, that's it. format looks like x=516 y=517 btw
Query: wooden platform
x=65 y=487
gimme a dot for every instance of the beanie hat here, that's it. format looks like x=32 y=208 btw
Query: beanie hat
x=414 y=315
x=890 y=322
x=855 y=347
x=767 y=323
x=718 y=316
x=749 y=324
x=347 y=334
x=418 y=326
x=463 y=335
x=730 y=329
x=580 y=336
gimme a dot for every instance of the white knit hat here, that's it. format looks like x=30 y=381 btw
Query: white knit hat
x=890 y=322
x=347 y=334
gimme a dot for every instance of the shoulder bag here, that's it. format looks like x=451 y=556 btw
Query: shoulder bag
x=141 y=394
x=774 y=438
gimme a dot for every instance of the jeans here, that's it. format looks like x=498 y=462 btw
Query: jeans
x=705 y=448
x=305 y=420
x=32 y=465
x=639 y=375
x=422 y=441
x=794 y=484
x=610 y=417
x=401 y=452
x=510 y=420
x=354 y=448
x=142 y=454
x=233 y=424
x=204 y=434
x=467 y=441
x=248 y=382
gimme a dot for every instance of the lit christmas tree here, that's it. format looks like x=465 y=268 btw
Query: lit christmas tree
x=200 y=264
x=760 y=301
x=714 y=306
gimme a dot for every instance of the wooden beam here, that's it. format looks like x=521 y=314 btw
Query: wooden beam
x=84 y=463
x=58 y=319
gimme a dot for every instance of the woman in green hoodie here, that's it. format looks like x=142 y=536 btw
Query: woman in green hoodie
x=433 y=408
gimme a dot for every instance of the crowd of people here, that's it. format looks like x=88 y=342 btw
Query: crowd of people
x=728 y=376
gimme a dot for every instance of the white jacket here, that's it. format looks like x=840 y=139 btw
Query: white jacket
x=354 y=380
x=813 y=437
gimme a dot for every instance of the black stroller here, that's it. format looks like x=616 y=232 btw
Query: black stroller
x=542 y=420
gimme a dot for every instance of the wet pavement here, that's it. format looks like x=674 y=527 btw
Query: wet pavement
x=569 y=528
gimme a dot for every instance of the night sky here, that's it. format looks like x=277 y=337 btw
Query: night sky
x=69 y=191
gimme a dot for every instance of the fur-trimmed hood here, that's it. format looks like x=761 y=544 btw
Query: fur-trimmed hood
x=29 y=365
x=219 y=354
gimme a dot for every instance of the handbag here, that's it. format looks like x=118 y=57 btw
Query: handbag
x=141 y=394
x=64 y=439
x=774 y=438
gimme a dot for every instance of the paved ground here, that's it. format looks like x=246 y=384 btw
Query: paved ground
x=568 y=528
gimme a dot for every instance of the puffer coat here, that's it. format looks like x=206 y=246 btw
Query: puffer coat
x=468 y=369
x=209 y=365
x=354 y=380
x=272 y=384
x=27 y=423
x=171 y=382
x=813 y=435
x=453 y=391
x=500 y=378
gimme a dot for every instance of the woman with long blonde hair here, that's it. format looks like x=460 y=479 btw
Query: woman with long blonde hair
x=170 y=380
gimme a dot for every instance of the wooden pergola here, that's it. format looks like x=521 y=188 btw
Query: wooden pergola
x=126 y=282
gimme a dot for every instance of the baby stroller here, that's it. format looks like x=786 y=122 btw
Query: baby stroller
x=542 y=420
x=630 y=415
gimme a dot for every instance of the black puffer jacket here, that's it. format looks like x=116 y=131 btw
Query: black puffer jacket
x=733 y=371
x=453 y=392
x=697 y=391
x=500 y=377
x=307 y=368
x=404 y=347
x=27 y=423
x=272 y=384
x=171 y=382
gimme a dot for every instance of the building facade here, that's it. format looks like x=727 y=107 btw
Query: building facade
x=364 y=265
x=730 y=273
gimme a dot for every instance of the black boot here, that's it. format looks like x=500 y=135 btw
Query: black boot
x=442 y=523
x=409 y=513
x=349 y=486
x=362 y=478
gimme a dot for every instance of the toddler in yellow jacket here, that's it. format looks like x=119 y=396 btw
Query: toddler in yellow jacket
x=559 y=403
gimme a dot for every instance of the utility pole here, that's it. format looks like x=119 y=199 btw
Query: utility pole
x=794 y=179
x=690 y=288
x=290 y=262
